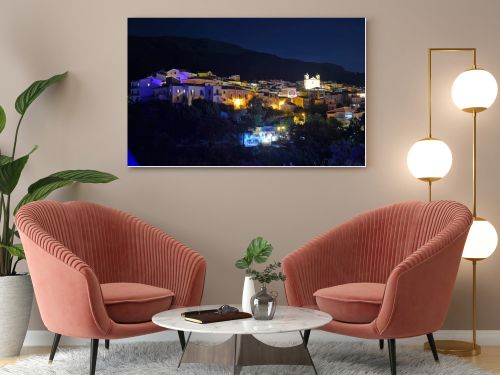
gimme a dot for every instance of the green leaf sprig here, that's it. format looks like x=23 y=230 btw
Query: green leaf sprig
x=269 y=274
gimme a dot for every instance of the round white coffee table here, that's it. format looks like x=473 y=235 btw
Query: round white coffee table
x=242 y=348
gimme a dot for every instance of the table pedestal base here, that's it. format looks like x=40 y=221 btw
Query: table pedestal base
x=246 y=350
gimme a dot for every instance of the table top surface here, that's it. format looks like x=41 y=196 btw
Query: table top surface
x=286 y=319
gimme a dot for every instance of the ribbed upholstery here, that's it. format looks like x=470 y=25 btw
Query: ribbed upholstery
x=389 y=245
x=82 y=245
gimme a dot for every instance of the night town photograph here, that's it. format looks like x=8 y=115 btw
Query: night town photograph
x=283 y=92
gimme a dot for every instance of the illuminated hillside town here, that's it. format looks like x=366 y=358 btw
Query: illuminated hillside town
x=289 y=102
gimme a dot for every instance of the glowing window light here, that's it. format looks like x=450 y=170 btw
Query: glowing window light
x=237 y=103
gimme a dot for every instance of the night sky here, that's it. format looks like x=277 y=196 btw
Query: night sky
x=334 y=40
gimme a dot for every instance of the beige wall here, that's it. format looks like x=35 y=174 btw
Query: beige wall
x=83 y=124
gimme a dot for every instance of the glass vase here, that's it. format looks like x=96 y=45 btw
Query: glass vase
x=263 y=304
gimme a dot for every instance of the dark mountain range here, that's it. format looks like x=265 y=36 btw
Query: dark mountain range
x=149 y=54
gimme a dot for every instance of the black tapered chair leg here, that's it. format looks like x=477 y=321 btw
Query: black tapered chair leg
x=94 y=346
x=432 y=344
x=182 y=339
x=55 y=344
x=381 y=344
x=307 y=333
x=106 y=344
x=392 y=355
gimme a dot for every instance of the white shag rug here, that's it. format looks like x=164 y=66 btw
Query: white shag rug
x=162 y=358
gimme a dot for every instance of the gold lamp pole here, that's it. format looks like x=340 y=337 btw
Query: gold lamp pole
x=473 y=91
x=429 y=159
x=475 y=349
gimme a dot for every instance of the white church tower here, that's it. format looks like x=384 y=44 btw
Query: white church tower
x=311 y=82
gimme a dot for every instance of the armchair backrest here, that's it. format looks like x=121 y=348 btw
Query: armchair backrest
x=368 y=247
x=386 y=236
x=92 y=232
x=379 y=242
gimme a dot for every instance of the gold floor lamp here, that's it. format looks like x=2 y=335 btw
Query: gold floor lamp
x=430 y=159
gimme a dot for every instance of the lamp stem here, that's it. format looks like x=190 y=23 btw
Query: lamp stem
x=429 y=89
x=474 y=167
x=430 y=190
x=429 y=75
x=474 y=304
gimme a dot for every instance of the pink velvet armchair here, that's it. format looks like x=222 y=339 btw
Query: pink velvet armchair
x=99 y=273
x=385 y=274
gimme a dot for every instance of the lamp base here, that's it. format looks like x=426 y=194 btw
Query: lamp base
x=456 y=348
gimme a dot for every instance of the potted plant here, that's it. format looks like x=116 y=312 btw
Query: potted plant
x=258 y=250
x=16 y=291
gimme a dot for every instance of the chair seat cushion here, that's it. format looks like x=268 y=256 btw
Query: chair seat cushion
x=351 y=303
x=135 y=303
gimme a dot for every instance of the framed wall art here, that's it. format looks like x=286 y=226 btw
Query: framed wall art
x=247 y=92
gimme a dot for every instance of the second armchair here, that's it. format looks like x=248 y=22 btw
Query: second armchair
x=385 y=274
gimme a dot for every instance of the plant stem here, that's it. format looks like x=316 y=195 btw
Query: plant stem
x=13 y=271
x=3 y=255
x=3 y=252
x=12 y=234
x=6 y=235
x=15 y=137
x=11 y=242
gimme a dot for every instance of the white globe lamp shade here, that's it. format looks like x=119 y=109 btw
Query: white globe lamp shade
x=474 y=90
x=481 y=241
x=429 y=159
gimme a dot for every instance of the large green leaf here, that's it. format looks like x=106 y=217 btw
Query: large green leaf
x=31 y=93
x=86 y=176
x=42 y=193
x=242 y=263
x=43 y=187
x=259 y=250
x=10 y=172
x=3 y=119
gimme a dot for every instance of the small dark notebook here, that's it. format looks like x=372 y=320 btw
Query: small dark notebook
x=204 y=317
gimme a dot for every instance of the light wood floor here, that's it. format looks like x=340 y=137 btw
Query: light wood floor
x=488 y=360
x=26 y=352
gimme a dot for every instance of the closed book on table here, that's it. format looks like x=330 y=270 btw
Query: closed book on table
x=211 y=317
